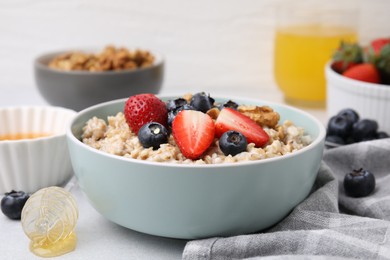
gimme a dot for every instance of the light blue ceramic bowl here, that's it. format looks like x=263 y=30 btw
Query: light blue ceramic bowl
x=195 y=201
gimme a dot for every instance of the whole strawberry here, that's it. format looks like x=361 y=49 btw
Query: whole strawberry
x=383 y=64
x=144 y=108
x=378 y=53
x=366 y=72
x=346 y=56
x=375 y=47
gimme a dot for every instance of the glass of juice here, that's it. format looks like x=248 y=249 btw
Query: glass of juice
x=307 y=34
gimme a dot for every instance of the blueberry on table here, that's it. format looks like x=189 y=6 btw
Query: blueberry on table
x=152 y=135
x=232 y=142
x=381 y=135
x=369 y=138
x=339 y=125
x=350 y=114
x=349 y=140
x=13 y=202
x=335 y=139
x=202 y=102
x=359 y=183
x=364 y=129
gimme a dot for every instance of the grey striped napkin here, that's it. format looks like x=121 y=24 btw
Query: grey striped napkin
x=327 y=224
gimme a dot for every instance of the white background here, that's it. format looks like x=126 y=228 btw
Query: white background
x=219 y=46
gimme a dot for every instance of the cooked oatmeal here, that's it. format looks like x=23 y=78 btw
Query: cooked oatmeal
x=115 y=137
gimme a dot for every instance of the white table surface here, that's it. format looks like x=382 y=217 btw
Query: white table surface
x=99 y=238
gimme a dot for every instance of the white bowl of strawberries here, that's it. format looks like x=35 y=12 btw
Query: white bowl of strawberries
x=358 y=77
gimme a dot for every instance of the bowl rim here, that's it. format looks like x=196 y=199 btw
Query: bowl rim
x=312 y=145
x=348 y=81
x=71 y=112
x=38 y=63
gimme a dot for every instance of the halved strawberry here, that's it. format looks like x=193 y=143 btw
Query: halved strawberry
x=230 y=119
x=193 y=132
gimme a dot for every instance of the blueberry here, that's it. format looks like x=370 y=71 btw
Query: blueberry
x=232 y=142
x=368 y=138
x=335 y=139
x=184 y=107
x=381 y=135
x=339 y=125
x=176 y=103
x=229 y=104
x=364 y=129
x=202 y=102
x=13 y=202
x=349 y=140
x=359 y=183
x=172 y=114
x=350 y=114
x=152 y=135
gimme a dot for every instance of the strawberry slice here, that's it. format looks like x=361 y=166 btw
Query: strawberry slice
x=193 y=132
x=230 y=119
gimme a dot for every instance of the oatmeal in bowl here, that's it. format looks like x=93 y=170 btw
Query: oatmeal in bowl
x=119 y=135
x=195 y=168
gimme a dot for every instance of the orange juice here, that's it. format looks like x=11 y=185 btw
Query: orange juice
x=301 y=53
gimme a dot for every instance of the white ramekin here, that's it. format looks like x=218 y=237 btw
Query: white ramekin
x=32 y=164
x=371 y=101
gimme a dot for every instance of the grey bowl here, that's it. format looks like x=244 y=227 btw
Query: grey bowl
x=195 y=201
x=81 y=89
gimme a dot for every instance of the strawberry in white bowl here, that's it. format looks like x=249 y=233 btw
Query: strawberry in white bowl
x=358 y=77
x=364 y=63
